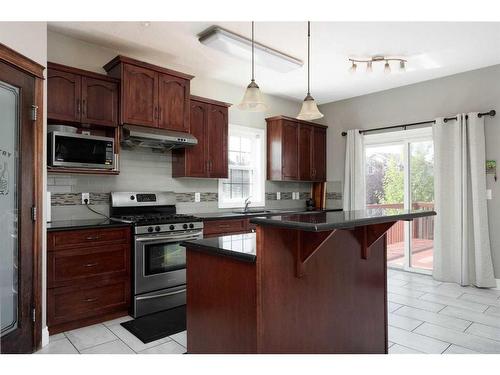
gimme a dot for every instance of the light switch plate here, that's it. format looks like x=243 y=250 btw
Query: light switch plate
x=278 y=195
x=488 y=194
x=197 y=197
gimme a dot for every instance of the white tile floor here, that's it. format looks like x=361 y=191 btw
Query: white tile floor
x=111 y=338
x=425 y=316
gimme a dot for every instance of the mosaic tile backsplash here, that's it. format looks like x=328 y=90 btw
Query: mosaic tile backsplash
x=151 y=171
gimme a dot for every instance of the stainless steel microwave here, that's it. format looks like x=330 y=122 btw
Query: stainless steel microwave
x=80 y=151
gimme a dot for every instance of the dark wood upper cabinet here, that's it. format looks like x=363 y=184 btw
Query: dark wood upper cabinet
x=173 y=103
x=79 y=96
x=305 y=152
x=217 y=142
x=319 y=154
x=63 y=95
x=296 y=150
x=151 y=96
x=209 y=124
x=139 y=96
x=99 y=102
x=290 y=150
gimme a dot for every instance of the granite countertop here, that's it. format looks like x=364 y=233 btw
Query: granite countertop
x=237 y=246
x=328 y=220
x=83 y=224
x=271 y=212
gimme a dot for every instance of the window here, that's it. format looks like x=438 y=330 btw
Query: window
x=246 y=168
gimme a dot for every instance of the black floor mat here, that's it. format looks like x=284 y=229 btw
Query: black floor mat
x=158 y=325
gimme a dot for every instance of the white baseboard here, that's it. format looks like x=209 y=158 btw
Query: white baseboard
x=45 y=336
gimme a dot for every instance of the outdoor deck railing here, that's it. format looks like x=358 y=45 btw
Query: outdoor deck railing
x=423 y=228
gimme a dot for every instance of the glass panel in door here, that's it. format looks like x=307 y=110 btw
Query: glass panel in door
x=421 y=164
x=385 y=188
x=163 y=257
x=9 y=253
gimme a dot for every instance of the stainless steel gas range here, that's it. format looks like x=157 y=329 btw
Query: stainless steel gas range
x=159 y=268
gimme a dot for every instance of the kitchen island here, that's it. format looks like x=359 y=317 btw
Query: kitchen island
x=303 y=283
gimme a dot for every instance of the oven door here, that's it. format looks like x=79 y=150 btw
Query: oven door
x=160 y=261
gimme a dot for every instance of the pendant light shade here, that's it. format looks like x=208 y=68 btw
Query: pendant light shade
x=253 y=100
x=309 y=110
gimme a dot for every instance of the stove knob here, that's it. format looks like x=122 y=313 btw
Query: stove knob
x=132 y=197
x=185 y=226
x=191 y=226
x=172 y=227
x=150 y=229
x=157 y=228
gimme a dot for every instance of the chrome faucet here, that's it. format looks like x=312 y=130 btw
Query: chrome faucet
x=247 y=203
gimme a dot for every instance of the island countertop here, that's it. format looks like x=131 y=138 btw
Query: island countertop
x=237 y=246
x=326 y=221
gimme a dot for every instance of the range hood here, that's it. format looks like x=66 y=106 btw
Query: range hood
x=139 y=136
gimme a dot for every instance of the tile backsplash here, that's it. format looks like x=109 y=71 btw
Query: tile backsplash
x=145 y=170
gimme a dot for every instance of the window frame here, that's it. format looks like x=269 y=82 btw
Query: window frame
x=259 y=201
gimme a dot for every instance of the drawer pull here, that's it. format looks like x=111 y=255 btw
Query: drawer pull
x=90 y=264
x=224 y=226
x=90 y=238
x=91 y=300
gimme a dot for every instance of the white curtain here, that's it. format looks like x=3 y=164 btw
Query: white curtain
x=462 y=252
x=354 y=196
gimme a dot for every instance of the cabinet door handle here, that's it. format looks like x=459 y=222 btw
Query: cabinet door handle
x=78 y=106
x=90 y=238
x=90 y=300
x=90 y=264
x=159 y=114
x=84 y=106
x=156 y=113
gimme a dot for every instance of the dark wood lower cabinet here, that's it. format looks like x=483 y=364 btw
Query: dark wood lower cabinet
x=214 y=228
x=88 y=277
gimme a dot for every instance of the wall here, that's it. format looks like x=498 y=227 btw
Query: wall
x=137 y=167
x=477 y=90
x=30 y=39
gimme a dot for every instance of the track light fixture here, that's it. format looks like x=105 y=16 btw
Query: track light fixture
x=374 y=59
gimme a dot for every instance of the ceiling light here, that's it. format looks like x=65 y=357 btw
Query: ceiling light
x=369 y=61
x=240 y=47
x=353 y=67
x=252 y=100
x=387 y=67
x=402 y=66
x=369 y=67
x=309 y=110
x=145 y=24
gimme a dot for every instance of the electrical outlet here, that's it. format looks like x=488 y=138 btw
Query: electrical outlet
x=197 y=197
x=297 y=195
x=85 y=198
x=278 y=195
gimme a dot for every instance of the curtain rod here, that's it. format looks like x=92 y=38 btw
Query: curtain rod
x=404 y=126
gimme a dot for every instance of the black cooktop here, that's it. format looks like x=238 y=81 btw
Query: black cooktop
x=146 y=219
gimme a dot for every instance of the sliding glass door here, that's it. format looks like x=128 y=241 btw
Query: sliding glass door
x=399 y=174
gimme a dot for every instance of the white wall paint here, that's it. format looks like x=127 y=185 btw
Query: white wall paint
x=30 y=39
x=477 y=90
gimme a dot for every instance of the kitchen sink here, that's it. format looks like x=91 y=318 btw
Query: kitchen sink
x=252 y=211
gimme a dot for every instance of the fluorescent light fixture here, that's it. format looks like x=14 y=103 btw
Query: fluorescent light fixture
x=241 y=47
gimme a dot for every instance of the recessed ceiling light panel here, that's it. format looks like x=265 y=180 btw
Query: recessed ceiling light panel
x=241 y=47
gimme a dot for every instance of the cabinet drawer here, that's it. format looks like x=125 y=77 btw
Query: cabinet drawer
x=224 y=226
x=72 y=303
x=66 y=267
x=86 y=237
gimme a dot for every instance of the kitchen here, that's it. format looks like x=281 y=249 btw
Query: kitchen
x=155 y=162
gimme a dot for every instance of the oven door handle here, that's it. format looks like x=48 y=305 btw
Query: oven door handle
x=168 y=238
x=160 y=295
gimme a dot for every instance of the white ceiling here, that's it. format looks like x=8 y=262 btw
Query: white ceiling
x=433 y=50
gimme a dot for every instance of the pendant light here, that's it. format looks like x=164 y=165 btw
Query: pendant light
x=309 y=110
x=252 y=100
